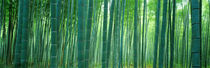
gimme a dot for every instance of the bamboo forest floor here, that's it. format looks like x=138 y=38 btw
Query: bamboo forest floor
x=43 y=65
x=96 y=66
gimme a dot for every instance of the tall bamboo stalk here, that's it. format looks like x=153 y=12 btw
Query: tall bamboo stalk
x=88 y=33
x=110 y=30
x=156 y=34
x=19 y=34
x=104 y=55
x=82 y=4
x=122 y=37
x=172 y=38
x=163 y=33
x=135 y=33
x=53 y=57
x=25 y=34
x=196 y=33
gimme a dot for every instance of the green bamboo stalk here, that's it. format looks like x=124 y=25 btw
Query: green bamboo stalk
x=156 y=34
x=1 y=17
x=4 y=37
x=207 y=39
x=139 y=33
x=3 y=28
x=37 y=35
x=187 y=28
x=1 y=20
x=196 y=33
x=183 y=38
x=81 y=32
x=88 y=33
x=59 y=32
x=172 y=38
x=143 y=33
x=19 y=35
x=110 y=30
x=177 y=41
x=9 y=34
x=104 y=55
x=128 y=38
x=135 y=33
x=146 y=39
x=163 y=33
x=93 y=33
x=25 y=34
x=122 y=36
x=53 y=57
x=168 y=33
x=116 y=34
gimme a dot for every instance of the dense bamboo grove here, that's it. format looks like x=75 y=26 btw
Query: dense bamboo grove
x=104 y=33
